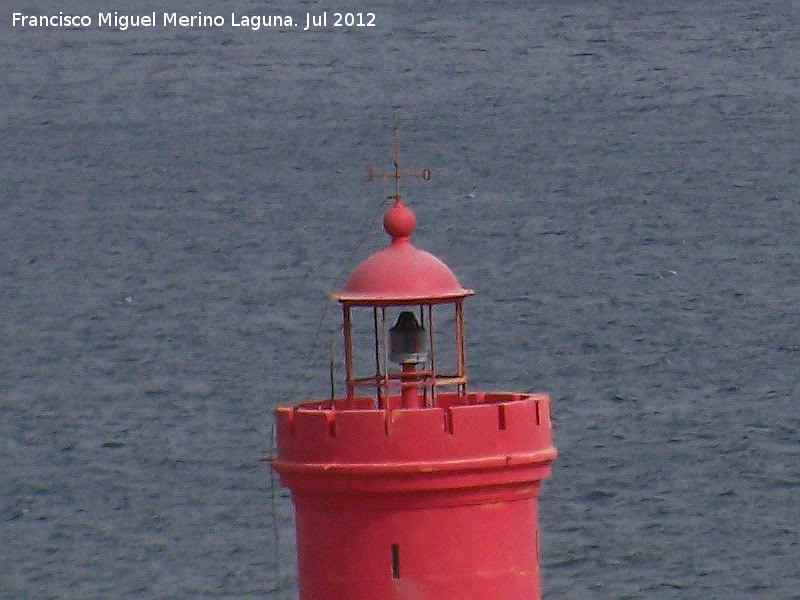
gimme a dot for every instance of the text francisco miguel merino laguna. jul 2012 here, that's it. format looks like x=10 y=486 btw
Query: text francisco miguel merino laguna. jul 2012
x=171 y=19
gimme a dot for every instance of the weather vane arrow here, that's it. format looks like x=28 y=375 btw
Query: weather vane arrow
x=424 y=174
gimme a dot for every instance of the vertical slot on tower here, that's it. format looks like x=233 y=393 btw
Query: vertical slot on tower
x=448 y=420
x=331 y=423
x=501 y=417
x=395 y=561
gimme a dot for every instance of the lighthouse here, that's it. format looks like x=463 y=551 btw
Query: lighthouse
x=411 y=485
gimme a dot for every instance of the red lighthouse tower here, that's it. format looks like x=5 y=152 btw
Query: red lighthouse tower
x=411 y=486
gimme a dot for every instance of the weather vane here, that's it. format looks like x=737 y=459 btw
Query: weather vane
x=425 y=174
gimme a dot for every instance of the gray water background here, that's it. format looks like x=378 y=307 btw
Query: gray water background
x=618 y=181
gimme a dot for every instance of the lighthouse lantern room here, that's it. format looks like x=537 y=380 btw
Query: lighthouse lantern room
x=411 y=486
x=412 y=281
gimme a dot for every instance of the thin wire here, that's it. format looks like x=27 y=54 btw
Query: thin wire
x=346 y=267
x=273 y=508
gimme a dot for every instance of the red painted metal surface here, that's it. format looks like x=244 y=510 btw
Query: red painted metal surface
x=413 y=493
x=401 y=273
x=435 y=503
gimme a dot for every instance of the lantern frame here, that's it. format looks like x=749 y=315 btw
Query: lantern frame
x=386 y=383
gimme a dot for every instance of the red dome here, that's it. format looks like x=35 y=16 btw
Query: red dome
x=401 y=272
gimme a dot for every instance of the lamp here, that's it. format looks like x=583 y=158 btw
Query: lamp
x=407 y=340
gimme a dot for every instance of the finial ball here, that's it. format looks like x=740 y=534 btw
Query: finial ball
x=399 y=221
